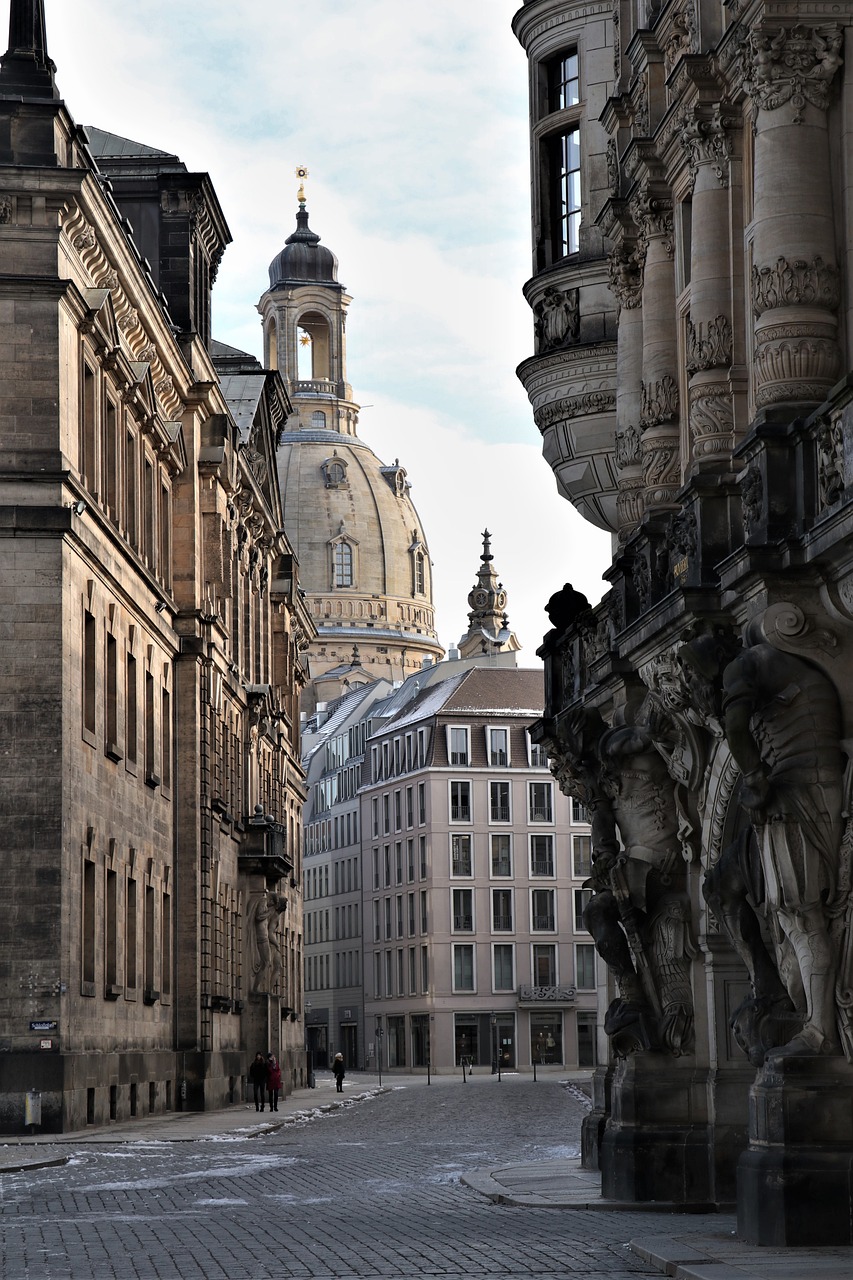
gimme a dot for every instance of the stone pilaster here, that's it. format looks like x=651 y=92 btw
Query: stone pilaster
x=795 y=279
x=659 y=419
x=626 y=276
x=709 y=327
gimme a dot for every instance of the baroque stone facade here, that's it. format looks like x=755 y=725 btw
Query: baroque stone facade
x=153 y=639
x=703 y=709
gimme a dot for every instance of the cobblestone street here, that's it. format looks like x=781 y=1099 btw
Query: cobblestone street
x=371 y=1190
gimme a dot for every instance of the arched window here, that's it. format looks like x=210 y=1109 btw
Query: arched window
x=343 y=564
x=420 y=574
x=318 y=420
x=272 y=345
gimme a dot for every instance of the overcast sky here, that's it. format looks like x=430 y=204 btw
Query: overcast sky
x=412 y=120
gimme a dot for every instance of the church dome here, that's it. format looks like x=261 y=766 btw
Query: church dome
x=303 y=258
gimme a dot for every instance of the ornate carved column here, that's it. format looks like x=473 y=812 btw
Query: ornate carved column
x=626 y=282
x=795 y=278
x=709 y=326
x=652 y=212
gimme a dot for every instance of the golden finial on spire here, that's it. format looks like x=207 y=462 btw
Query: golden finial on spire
x=302 y=174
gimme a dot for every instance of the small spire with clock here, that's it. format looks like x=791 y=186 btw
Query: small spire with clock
x=488 y=625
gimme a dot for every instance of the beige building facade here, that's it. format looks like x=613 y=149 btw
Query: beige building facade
x=690 y=378
x=153 y=640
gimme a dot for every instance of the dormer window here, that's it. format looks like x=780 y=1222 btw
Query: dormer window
x=334 y=469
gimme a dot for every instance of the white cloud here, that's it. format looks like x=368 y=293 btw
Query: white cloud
x=412 y=121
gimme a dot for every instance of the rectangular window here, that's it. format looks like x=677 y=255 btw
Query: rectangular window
x=376 y=868
x=537 y=755
x=149 y=993
x=563 y=83
x=546 y=1037
x=582 y=899
x=422 y=857
x=461 y=856
x=131 y=719
x=130 y=488
x=165 y=535
x=89 y=431
x=565 y=176
x=89 y=672
x=544 y=965
x=130 y=926
x=499 y=802
x=501 y=855
x=425 y=970
x=504 y=966
x=585 y=966
x=166 y=947
x=543 y=916
x=420 y=1039
x=374 y=808
x=413 y=971
x=460 y=802
x=376 y=925
x=88 y=969
x=410 y=806
x=502 y=909
x=463 y=967
x=458 y=745
x=387 y=918
x=541 y=808
x=148 y=513
x=398 y=811
x=111 y=700
x=151 y=776
x=463 y=910
x=111 y=449
x=166 y=734
x=541 y=855
x=411 y=914
x=581 y=857
x=421 y=803
x=424 y=916
x=399 y=915
x=398 y=862
x=498 y=748
x=410 y=861
x=111 y=934
x=579 y=812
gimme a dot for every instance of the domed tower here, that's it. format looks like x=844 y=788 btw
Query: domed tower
x=488 y=625
x=363 y=557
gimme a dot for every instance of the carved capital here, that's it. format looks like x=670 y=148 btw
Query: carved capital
x=707 y=142
x=798 y=283
x=653 y=215
x=628 y=447
x=795 y=65
x=709 y=343
x=660 y=401
x=711 y=419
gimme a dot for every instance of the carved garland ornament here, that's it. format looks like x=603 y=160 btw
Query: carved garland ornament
x=574 y=407
x=709 y=343
x=796 y=66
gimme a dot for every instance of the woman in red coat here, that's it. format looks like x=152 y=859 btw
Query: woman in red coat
x=273 y=1081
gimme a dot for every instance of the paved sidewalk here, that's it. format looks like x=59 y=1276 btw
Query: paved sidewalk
x=557 y=1184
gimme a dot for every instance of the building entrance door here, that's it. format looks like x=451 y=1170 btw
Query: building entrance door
x=506 y=1044
x=349 y=1045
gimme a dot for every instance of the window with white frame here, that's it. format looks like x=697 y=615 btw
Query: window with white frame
x=463 y=967
x=580 y=812
x=582 y=898
x=343 y=564
x=543 y=916
x=501 y=850
x=463 y=910
x=584 y=966
x=542 y=855
x=537 y=756
x=541 y=807
x=457 y=744
x=502 y=910
x=503 y=966
x=499 y=798
x=544 y=964
x=461 y=856
x=498 y=748
x=460 y=801
x=581 y=857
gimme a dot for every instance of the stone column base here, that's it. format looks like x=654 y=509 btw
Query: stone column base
x=795 y=1182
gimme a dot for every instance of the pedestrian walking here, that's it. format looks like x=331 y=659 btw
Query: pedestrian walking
x=258 y=1077
x=273 y=1081
x=340 y=1071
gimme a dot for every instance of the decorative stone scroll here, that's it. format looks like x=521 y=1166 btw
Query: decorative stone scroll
x=574 y=407
x=795 y=65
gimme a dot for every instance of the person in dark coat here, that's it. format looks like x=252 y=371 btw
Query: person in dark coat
x=273 y=1081
x=340 y=1071
x=258 y=1077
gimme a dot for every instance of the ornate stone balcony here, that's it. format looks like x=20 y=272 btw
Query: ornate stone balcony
x=264 y=847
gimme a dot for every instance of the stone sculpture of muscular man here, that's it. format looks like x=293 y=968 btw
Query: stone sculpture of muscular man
x=783 y=726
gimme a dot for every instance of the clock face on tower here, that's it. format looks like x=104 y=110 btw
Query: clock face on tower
x=481 y=599
x=500 y=600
